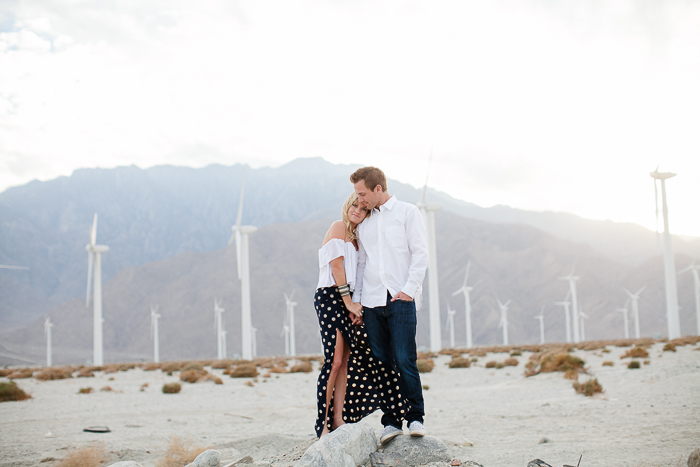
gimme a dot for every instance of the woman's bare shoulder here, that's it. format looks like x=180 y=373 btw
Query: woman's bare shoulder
x=336 y=230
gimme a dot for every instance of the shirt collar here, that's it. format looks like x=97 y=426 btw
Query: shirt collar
x=389 y=203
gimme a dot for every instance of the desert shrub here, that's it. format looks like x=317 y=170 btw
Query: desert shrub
x=605 y=350
x=171 y=388
x=86 y=390
x=11 y=392
x=553 y=360
x=21 y=373
x=636 y=352
x=92 y=456
x=516 y=353
x=491 y=364
x=477 y=352
x=5 y=371
x=106 y=389
x=647 y=362
x=150 y=366
x=474 y=359
x=221 y=364
x=670 y=347
x=49 y=374
x=171 y=367
x=590 y=387
x=459 y=362
x=571 y=374
x=192 y=366
x=425 y=365
x=607 y=363
x=127 y=366
x=687 y=340
x=278 y=369
x=510 y=362
x=85 y=373
x=633 y=365
x=425 y=355
x=246 y=370
x=302 y=367
x=192 y=376
x=111 y=368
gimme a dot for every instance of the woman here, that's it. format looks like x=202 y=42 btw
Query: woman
x=352 y=384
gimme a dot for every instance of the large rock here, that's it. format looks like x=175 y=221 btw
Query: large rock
x=694 y=458
x=348 y=446
x=417 y=451
x=209 y=458
x=125 y=464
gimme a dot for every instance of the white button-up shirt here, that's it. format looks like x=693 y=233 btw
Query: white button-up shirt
x=393 y=253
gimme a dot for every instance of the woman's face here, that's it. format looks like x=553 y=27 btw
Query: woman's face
x=357 y=213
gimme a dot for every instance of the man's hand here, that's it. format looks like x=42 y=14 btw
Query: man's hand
x=402 y=296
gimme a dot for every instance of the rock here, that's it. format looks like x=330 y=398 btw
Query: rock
x=417 y=451
x=125 y=464
x=209 y=458
x=455 y=462
x=247 y=460
x=694 y=458
x=538 y=463
x=544 y=440
x=471 y=464
x=386 y=459
x=348 y=446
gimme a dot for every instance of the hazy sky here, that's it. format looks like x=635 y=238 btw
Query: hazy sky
x=535 y=104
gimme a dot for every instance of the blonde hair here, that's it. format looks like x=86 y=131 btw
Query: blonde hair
x=351 y=201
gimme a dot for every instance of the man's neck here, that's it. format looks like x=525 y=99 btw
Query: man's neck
x=384 y=198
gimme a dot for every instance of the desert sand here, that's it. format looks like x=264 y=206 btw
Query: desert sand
x=496 y=417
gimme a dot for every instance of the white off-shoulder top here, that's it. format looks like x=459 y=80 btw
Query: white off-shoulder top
x=335 y=248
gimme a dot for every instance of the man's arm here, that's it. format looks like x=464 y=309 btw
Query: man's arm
x=418 y=246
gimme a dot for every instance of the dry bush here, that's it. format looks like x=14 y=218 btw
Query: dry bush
x=92 y=456
x=171 y=388
x=516 y=353
x=608 y=363
x=221 y=364
x=571 y=374
x=605 y=350
x=446 y=351
x=474 y=359
x=636 y=352
x=21 y=373
x=86 y=390
x=192 y=376
x=426 y=355
x=510 y=362
x=171 y=367
x=192 y=366
x=5 y=371
x=249 y=383
x=491 y=364
x=11 y=392
x=687 y=340
x=302 y=367
x=49 y=374
x=278 y=369
x=179 y=452
x=85 y=373
x=143 y=387
x=634 y=365
x=150 y=366
x=459 y=362
x=113 y=368
x=553 y=360
x=209 y=377
x=590 y=387
x=425 y=365
x=106 y=389
x=247 y=370
x=670 y=347
x=477 y=353
x=647 y=362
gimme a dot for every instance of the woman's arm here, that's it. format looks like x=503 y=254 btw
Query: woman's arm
x=337 y=230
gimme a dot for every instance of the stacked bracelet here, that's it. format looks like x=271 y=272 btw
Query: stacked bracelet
x=344 y=290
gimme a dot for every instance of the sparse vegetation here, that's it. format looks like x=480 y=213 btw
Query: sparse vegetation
x=192 y=366
x=571 y=374
x=554 y=360
x=636 y=352
x=515 y=353
x=21 y=373
x=670 y=347
x=179 y=452
x=171 y=388
x=192 y=376
x=85 y=373
x=510 y=362
x=608 y=363
x=49 y=374
x=221 y=364
x=5 y=372
x=106 y=389
x=86 y=390
x=11 y=392
x=425 y=365
x=301 y=367
x=150 y=366
x=248 y=370
x=634 y=365
x=459 y=362
x=590 y=387
x=278 y=369
x=92 y=456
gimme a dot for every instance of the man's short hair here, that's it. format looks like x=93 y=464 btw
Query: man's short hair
x=372 y=177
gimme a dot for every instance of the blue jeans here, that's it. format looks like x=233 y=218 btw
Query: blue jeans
x=392 y=339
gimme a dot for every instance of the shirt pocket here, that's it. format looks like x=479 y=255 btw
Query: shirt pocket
x=396 y=236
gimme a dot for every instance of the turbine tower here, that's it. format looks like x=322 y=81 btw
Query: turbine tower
x=240 y=236
x=635 y=309
x=465 y=289
x=541 y=318
x=428 y=211
x=574 y=302
x=47 y=332
x=223 y=340
x=290 y=324
x=567 y=315
x=672 y=315
x=583 y=316
x=94 y=259
x=451 y=324
x=254 y=334
x=696 y=281
x=624 y=311
x=285 y=333
x=154 y=331
x=218 y=317
x=504 y=320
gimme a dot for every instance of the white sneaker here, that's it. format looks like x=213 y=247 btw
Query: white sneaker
x=416 y=428
x=389 y=432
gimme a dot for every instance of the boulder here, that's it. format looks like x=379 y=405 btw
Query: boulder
x=417 y=451
x=125 y=464
x=694 y=458
x=209 y=458
x=348 y=446
x=386 y=459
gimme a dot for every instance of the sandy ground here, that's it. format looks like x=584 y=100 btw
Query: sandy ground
x=646 y=417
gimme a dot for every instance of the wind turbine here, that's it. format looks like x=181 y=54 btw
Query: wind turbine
x=223 y=341
x=635 y=309
x=451 y=324
x=290 y=320
x=672 y=314
x=254 y=335
x=428 y=211
x=583 y=317
x=465 y=289
x=541 y=318
x=504 y=320
x=220 y=348
x=624 y=311
x=285 y=333
x=696 y=281
x=240 y=236
x=574 y=302
x=154 y=330
x=567 y=315
x=94 y=259
x=47 y=332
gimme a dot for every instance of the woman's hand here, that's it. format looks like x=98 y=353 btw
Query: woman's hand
x=355 y=309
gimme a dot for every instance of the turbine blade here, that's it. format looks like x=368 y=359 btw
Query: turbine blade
x=291 y=296
x=89 y=278
x=466 y=274
x=239 y=216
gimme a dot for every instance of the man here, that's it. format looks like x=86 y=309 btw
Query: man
x=393 y=256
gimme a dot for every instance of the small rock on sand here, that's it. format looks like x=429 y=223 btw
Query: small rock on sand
x=694 y=458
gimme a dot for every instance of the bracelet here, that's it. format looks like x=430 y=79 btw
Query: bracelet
x=344 y=290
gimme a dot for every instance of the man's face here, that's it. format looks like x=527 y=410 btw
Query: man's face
x=367 y=198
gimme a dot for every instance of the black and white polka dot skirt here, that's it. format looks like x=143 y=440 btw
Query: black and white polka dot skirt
x=371 y=385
